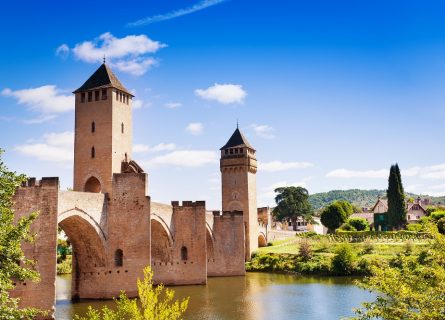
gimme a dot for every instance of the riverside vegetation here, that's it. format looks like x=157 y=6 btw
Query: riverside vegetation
x=343 y=253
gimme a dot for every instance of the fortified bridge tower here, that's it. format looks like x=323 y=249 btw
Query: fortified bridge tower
x=238 y=166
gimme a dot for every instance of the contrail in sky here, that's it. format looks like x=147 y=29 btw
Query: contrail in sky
x=176 y=13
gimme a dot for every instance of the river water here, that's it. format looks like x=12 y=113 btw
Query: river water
x=255 y=296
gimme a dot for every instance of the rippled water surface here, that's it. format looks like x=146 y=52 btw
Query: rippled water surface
x=255 y=296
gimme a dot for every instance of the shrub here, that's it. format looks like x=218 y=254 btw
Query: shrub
x=347 y=227
x=409 y=245
x=343 y=261
x=305 y=250
x=368 y=247
x=360 y=224
x=437 y=215
x=415 y=227
x=309 y=234
x=441 y=225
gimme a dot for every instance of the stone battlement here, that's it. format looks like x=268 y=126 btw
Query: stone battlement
x=227 y=213
x=175 y=204
x=45 y=182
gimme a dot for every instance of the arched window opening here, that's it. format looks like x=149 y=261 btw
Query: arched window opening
x=93 y=152
x=184 y=253
x=93 y=126
x=119 y=258
x=92 y=185
x=122 y=127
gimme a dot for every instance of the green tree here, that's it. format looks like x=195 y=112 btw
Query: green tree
x=13 y=263
x=334 y=215
x=396 y=199
x=156 y=303
x=293 y=202
x=343 y=261
x=412 y=289
x=360 y=224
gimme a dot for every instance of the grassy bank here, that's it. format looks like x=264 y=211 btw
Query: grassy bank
x=325 y=255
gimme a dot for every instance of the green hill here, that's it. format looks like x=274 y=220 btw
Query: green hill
x=361 y=198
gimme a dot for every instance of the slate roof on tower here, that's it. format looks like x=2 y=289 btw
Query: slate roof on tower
x=237 y=140
x=103 y=78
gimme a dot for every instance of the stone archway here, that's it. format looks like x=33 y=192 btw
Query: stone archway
x=210 y=245
x=161 y=241
x=262 y=240
x=93 y=185
x=88 y=243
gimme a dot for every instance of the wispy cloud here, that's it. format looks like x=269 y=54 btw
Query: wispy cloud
x=128 y=54
x=195 y=128
x=370 y=174
x=173 y=105
x=275 y=166
x=263 y=130
x=47 y=101
x=223 y=93
x=141 y=148
x=176 y=13
x=184 y=158
x=51 y=147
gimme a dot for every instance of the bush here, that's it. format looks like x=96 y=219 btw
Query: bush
x=415 y=227
x=343 y=261
x=305 y=250
x=409 y=245
x=441 y=225
x=347 y=227
x=359 y=224
x=437 y=215
x=368 y=247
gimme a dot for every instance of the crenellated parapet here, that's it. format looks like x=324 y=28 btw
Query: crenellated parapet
x=45 y=182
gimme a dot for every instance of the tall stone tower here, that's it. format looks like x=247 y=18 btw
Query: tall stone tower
x=103 y=131
x=238 y=178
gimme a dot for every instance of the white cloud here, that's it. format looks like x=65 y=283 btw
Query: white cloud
x=437 y=186
x=274 y=166
x=45 y=99
x=52 y=147
x=39 y=119
x=62 y=51
x=128 y=54
x=184 y=158
x=223 y=93
x=140 y=148
x=137 y=104
x=371 y=174
x=176 y=13
x=195 y=128
x=173 y=105
x=264 y=131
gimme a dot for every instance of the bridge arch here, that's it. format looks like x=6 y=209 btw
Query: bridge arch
x=262 y=240
x=210 y=241
x=88 y=243
x=161 y=240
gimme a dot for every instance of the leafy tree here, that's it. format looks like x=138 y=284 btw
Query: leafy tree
x=156 y=303
x=293 y=202
x=412 y=289
x=396 y=199
x=334 y=215
x=13 y=263
x=360 y=224
x=343 y=261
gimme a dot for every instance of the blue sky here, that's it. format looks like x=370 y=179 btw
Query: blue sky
x=330 y=93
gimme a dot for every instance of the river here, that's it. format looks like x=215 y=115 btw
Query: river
x=255 y=296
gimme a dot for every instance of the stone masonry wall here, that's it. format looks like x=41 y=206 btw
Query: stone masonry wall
x=228 y=245
x=40 y=196
x=187 y=263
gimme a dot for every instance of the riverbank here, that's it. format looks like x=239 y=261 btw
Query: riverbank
x=326 y=256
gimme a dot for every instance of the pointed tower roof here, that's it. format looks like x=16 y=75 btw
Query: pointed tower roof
x=102 y=78
x=237 y=140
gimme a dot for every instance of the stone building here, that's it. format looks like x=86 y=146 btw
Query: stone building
x=114 y=227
